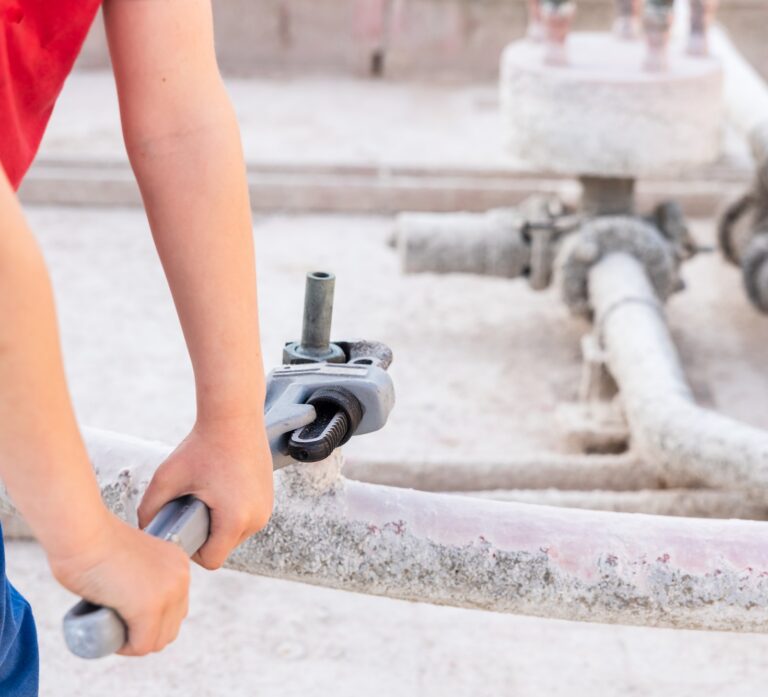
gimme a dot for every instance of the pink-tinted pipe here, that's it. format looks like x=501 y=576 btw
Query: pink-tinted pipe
x=507 y=557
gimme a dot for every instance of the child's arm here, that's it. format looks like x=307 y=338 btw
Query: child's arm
x=46 y=469
x=183 y=142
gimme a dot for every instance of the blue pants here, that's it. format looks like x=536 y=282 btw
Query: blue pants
x=19 y=658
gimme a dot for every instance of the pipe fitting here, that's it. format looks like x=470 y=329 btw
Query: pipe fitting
x=747 y=217
x=743 y=230
x=603 y=236
x=735 y=228
x=754 y=266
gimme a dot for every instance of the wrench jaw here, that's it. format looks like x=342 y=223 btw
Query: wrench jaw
x=284 y=416
x=339 y=414
x=290 y=386
x=345 y=381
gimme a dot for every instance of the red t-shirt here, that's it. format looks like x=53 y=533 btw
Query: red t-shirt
x=39 y=42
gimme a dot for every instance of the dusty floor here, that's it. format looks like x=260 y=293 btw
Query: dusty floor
x=480 y=366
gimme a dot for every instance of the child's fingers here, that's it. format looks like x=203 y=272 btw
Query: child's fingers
x=171 y=624
x=143 y=636
x=226 y=531
x=162 y=489
x=225 y=536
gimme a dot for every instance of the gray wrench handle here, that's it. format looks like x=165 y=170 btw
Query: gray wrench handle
x=94 y=631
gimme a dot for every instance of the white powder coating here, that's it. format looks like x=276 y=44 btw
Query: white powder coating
x=603 y=115
x=667 y=425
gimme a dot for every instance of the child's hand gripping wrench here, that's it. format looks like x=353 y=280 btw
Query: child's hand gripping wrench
x=94 y=631
x=310 y=411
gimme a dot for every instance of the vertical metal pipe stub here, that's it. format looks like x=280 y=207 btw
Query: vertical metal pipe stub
x=318 y=311
x=607 y=195
x=315 y=345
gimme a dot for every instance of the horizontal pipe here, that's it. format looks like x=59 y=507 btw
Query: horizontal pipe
x=536 y=471
x=488 y=244
x=516 y=558
x=691 y=503
x=667 y=427
x=507 y=557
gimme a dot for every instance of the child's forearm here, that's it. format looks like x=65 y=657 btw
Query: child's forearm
x=183 y=142
x=42 y=458
x=197 y=201
x=184 y=145
x=46 y=469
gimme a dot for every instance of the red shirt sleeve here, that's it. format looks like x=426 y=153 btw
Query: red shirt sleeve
x=39 y=42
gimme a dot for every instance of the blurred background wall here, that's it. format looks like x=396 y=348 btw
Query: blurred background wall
x=403 y=39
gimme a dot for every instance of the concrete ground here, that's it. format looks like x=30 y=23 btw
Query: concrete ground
x=480 y=366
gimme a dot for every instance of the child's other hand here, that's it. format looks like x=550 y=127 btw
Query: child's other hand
x=228 y=465
x=144 y=579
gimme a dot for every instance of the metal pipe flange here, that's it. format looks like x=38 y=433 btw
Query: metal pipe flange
x=607 y=235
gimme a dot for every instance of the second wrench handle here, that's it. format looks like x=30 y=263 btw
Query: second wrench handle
x=94 y=631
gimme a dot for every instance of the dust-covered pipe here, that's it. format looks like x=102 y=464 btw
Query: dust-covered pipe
x=625 y=472
x=666 y=425
x=487 y=244
x=449 y=550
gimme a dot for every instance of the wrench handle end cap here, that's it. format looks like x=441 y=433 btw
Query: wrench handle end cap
x=92 y=631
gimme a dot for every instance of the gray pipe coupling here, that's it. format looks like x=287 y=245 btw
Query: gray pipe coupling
x=607 y=235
